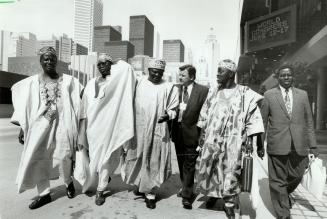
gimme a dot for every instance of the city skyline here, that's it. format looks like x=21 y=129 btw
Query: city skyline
x=193 y=20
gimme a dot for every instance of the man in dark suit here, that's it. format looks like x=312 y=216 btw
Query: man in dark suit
x=185 y=133
x=290 y=138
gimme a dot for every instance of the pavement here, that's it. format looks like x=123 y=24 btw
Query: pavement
x=121 y=202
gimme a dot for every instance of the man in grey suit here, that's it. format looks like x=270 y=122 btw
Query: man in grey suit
x=290 y=138
x=185 y=133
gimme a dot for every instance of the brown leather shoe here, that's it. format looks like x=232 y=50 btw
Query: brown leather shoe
x=42 y=200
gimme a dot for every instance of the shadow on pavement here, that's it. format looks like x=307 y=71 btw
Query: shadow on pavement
x=169 y=188
x=263 y=190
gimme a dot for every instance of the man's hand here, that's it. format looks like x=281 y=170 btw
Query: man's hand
x=198 y=148
x=261 y=152
x=21 y=136
x=313 y=153
x=163 y=118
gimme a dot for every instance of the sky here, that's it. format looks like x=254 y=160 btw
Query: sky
x=188 y=20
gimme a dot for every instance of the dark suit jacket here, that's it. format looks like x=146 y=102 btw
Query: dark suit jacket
x=191 y=114
x=281 y=129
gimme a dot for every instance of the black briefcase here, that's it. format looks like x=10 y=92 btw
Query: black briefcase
x=247 y=172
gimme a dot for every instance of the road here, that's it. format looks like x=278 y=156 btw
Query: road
x=121 y=202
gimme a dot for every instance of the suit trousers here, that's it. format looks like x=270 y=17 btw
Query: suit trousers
x=285 y=174
x=186 y=158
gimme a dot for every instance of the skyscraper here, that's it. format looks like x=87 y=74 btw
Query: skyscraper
x=119 y=49
x=4 y=49
x=141 y=35
x=87 y=15
x=156 y=50
x=173 y=51
x=211 y=53
x=103 y=34
x=22 y=44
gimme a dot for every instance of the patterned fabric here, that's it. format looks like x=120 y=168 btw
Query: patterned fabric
x=288 y=102
x=226 y=119
x=185 y=95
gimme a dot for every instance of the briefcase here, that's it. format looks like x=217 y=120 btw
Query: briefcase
x=247 y=172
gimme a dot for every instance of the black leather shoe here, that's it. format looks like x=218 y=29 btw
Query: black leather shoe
x=150 y=203
x=99 y=198
x=42 y=200
x=137 y=193
x=229 y=212
x=187 y=204
x=211 y=202
x=70 y=190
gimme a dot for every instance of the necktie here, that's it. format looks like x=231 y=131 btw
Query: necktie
x=185 y=95
x=288 y=103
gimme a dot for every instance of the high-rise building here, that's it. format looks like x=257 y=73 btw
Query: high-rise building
x=78 y=49
x=211 y=53
x=189 y=56
x=173 y=51
x=119 y=49
x=22 y=44
x=4 y=49
x=65 y=48
x=54 y=43
x=202 y=75
x=156 y=46
x=87 y=15
x=118 y=28
x=103 y=34
x=141 y=35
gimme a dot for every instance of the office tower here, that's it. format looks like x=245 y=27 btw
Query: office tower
x=141 y=35
x=156 y=46
x=173 y=51
x=65 y=48
x=87 y=15
x=119 y=49
x=118 y=28
x=211 y=53
x=22 y=44
x=4 y=49
x=104 y=34
x=78 y=49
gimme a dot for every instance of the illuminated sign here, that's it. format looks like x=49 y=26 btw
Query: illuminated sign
x=275 y=29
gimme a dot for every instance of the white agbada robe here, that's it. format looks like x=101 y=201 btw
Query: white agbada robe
x=148 y=160
x=109 y=119
x=40 y=137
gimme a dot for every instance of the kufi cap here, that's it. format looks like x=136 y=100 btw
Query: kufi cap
x=227 y=63
x=157 y=63
x=105 y=57
x=47 y=49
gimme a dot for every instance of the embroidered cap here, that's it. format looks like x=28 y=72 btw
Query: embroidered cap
x=157 y=63
x=228 y=64
x=105 y=57
x=47 y=49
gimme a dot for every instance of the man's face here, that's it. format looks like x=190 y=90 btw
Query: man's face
x=155 y=75
x=48 y=62
x=285 y=78
x=184 y=78
x=223 y=75
x=104 y=67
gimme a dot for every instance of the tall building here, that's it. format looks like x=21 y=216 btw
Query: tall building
x=103 y=34
x=173 y=51
x=87 y=15
x=156 y=46
x=65 y=48
x=119 y=49
x=22 y=44
x=189 y=56
x=118 y=28
x=78 y=49
x=141 y=35
x=4 y=49
x=54 y=43
x=202 y=74
x=211 y=53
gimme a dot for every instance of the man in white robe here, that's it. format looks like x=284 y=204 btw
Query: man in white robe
x=148 y=160
x=46 y=107
x=107 y=121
